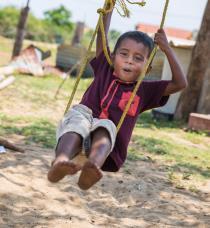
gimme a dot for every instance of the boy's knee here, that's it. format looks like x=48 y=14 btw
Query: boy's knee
x=101 y=134
x=67 y=141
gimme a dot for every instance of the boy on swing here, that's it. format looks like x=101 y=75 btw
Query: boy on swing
x=91 y=125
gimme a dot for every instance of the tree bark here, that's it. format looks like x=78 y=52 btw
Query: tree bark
x=204 y=101
x=78 y=33
x=189 y=99
x=20 y=32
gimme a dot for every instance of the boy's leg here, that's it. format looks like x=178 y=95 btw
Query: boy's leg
x=100 y=149
x=69 y=145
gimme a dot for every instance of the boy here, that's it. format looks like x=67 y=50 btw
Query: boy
x=92 y=123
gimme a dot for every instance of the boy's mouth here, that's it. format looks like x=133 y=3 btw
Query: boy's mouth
x=127 y=70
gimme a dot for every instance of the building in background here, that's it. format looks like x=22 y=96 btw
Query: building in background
x=181 y=42
x=170 y=32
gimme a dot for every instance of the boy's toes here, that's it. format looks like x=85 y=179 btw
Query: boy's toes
x=89 y=176
x=60 y=169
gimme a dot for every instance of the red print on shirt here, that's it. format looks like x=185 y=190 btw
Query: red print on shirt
x=134 y=105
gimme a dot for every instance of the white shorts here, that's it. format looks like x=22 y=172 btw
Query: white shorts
x=79 y=119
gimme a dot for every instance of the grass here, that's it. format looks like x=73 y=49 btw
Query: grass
x=36 y=94
x=33 y=112
x=38 y=130
x=181 y=153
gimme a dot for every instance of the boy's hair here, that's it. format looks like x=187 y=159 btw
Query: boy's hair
x=139 y=37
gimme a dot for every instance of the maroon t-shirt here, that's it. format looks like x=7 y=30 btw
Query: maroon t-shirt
x=107 y=97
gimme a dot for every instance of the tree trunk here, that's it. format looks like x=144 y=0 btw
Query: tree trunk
x=189 y=99
x=78 y=33
x=204 y=101
x=20 y=32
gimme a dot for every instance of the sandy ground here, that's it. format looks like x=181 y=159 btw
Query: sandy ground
x=137 y=196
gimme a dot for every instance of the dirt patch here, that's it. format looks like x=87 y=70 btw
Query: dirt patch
x=137 y=196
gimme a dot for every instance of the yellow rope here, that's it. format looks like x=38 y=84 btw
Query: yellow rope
x=103 y=35
x=124 y=8
x=142 y=73
x=74 y=67
x=126 y=12
x=142 y=3
x=82 y=68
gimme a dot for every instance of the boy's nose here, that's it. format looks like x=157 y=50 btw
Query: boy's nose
x=130 y=59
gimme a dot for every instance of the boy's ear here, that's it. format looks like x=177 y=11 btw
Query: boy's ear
x=149 y=69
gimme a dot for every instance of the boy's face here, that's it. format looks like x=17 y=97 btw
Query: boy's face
x=130 y=59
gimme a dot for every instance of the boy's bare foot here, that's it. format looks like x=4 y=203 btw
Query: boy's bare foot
x=89 y=176
x=60 y=168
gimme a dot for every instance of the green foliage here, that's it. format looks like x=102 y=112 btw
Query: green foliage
x=56 y=25
x=8 y=21
x=113 y=35
x=56 y=22
x=59 y=17
x=38 y=30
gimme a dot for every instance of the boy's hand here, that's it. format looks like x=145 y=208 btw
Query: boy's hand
x=106 y=20
x=178 y=81
x=161 y=40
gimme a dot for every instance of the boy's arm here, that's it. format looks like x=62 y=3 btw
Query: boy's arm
x=178 y=81
x=106 y=20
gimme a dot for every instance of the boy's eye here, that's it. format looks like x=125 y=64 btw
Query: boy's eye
x=123 y=53
x=139 y=58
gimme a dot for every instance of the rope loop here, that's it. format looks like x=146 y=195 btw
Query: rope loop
x=101 y=11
